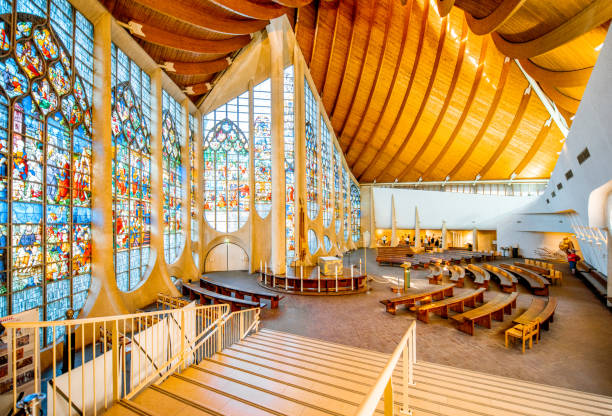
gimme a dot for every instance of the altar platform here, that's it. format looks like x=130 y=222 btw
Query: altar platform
x=308 y=281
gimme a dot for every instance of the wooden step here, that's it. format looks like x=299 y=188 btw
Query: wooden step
x=126 y=409
x=159 y=402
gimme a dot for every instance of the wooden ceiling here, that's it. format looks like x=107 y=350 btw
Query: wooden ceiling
x=194 y=40
x=431 y=90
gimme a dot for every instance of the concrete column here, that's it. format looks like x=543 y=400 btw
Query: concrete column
x=417 y=229
x=256 y=254
x=372 y=219
x=475 y=239
x=609 y=270
x=277 y=214
x=393 y=224
x=300 y=152
x=443 y=239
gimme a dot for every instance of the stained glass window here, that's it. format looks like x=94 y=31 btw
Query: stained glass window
x=337 y=195
x=131 y=169
x=326 y=166
x=312 y=138
x=355 y=212
x=327 y=242
x=226 y=165
x=289 y=165
x=172 y=142
x=313 y=241
x=345 y=191
x=193 y=187
x=262 y=147
x=45 y=132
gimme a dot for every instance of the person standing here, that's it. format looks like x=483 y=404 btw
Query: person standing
x=572 y=259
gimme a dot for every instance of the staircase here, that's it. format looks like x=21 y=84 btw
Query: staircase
x=277 y=373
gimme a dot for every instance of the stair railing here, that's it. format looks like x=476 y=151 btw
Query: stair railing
x=384 y=384
x=106 y=358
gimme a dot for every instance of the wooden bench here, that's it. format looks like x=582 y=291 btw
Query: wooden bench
x=457 y=275
x=391 y=259
x=483 y=315
x=195 y=291
x=545 y=313
x=435 y=275
x=506 y=280
x=539 y=270
x=537 y=283
x=481 y=276
x=455 y=303
x=427 y=295
x=239 y=293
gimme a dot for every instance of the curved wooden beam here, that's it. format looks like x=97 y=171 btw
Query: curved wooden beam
x=379 y=65
x=196 y=68
x=520 y=112
x=535 y=146
x=447 y=100
x=444 y=7
x=348 y=56
x=293 y=3
x=198 y=89
x=568 y=103
x=398 y=63
x=173 y=40
x=592 y=16
x=432 y=79
x=503 y=77
x=498 y=17
x=250 y=9
x=314 y=38
x=398 y=115
x=575 y=78
x=466 y=108
x=185 y=12
x=331 y=51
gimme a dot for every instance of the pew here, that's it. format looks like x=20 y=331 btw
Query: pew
x=539 y=270
x=457 y=275
x=545 y=313
x=483 y=315
x=506 y=280
x=435 y=275
x=426 y=295
x=239 y=293
x=455 y=303
x=481 y=276
x=195 y=291
x=537 y=283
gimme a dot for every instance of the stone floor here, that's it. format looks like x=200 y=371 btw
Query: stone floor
x=576 y=353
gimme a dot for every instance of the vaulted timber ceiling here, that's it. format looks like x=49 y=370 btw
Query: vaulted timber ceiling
x=194 y=40
x=429 y=90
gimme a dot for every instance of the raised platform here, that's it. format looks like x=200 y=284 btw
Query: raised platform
x=310 y=283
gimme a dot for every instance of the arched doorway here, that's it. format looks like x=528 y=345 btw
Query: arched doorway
x=226 y=256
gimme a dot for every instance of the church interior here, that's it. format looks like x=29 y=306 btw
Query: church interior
x=305 y=207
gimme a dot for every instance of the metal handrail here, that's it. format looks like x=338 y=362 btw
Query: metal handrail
x=383 y=385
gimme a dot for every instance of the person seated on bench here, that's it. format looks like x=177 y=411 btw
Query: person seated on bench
x=524 y=332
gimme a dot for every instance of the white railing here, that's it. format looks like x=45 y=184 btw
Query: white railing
x=384 y=384
x=115 y=357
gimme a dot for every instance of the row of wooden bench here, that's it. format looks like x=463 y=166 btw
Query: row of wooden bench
x=400 y=255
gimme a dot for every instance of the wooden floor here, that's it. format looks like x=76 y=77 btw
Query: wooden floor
x=276 y=373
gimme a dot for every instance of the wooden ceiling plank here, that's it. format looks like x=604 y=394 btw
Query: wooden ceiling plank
x=332 y=50
x=568 y=103
x=466 y=109
x=359 y=77
x=520 y=112
x=592 y=16
x=392 y=84
x=181 y=10
x=485 y=123
x=417 y=59
x=250 y=9
x=576 y=78
x=316 y=34
x=303 y=32
x=196 y=68
x=293 y=3
x=348 y=57
x=379 y=65
x=534 y=147
x=498 y=17
x=447 y=101
x=430 y=83
x=173 y=40
x=444 y=7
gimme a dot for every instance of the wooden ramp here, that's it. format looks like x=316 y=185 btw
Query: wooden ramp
x=277 y=373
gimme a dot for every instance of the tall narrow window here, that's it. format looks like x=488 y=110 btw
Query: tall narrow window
x=45 y=159
x=312 y=145
x=288 y=97
x=262 y=147
x=193 y=169
x=337 y=194
x=346 y=192
x=326 y=171
x=226 y=165
x=131 y=169
x=356 y=212
x=172 y=141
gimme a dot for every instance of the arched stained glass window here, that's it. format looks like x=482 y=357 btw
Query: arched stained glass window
x=356 y=212
x=193 y=169
x=327 y=242
x=326 y=170
x=45 y=160
x=345 y=194
x=313 y=241
x=172 y=141
x=337 y=194
x=312 y=154
x=131 y=169
x=262 y=147
x=226 y=165
x=289 y=165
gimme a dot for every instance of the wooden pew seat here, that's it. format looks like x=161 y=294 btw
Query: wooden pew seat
x=410 y=299
x=194 y=291
x=545 y=314
x=455 y=303
x=239 y=293
x=483 y=315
